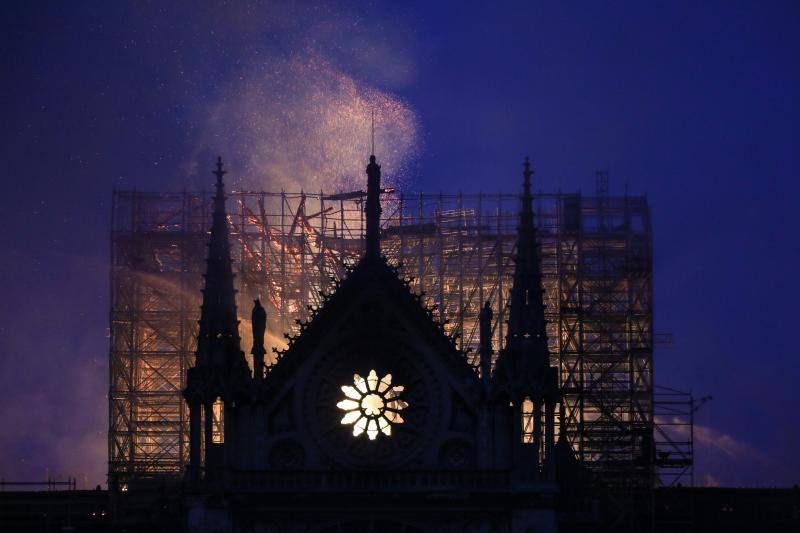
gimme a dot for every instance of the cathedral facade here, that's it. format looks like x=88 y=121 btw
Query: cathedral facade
x=371 y=419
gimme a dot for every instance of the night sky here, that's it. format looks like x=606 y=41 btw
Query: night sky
x=691 y=103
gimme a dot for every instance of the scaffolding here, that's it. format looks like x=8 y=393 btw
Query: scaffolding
x=673 y=435
x=457 y=249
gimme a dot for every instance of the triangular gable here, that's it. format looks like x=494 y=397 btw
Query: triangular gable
x=365 y=276
x=373 y=325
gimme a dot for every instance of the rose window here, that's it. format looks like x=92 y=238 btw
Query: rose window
x=372 y=405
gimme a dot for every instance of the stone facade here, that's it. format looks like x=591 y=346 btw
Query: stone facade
x=372 y=420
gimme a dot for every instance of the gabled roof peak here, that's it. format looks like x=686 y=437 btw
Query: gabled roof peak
x=349 y=292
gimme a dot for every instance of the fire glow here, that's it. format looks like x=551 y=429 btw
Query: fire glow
x=304 y=124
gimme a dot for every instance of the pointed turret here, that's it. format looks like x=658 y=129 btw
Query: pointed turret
x=373 y=209
x=526 y=353
x=218 y=338
x=220 y=371
x=523 y=372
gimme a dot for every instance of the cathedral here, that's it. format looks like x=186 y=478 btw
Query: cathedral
x=372 y=420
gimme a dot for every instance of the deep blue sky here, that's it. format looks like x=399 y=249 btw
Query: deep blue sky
x=692 y=103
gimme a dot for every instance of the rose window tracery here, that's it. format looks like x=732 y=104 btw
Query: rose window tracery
x=373 y=405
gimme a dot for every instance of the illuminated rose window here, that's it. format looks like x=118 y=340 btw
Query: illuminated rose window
x=372 y=405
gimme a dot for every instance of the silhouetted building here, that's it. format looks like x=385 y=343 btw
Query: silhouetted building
x=457 y=250
x=374 y=419
x=371 y=419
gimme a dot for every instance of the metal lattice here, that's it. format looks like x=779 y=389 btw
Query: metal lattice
x=596 y=259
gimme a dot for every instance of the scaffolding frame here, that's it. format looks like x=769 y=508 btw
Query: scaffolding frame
x=457 y=249
x=673 y=436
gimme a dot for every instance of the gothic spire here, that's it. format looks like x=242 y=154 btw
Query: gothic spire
x=526 y=340
x=218 y=338
x=373 y=209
